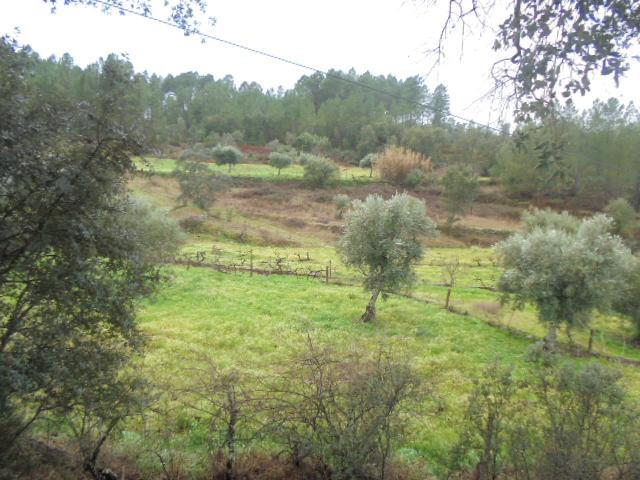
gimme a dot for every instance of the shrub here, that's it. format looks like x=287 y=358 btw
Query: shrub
x=560 y=422
x=341 y=202
x=547 y=219
x=279 y=160
x=227 y=155
x=624 y=217
x=196 y=153
x=460 y=191
x=308 y=142
x=200 y=184
x=415 y=178
x=344 y=411
x=320 y=171
x=395 y=164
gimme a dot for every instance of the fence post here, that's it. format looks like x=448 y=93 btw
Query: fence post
x=251 y=262
x=326 y=274
x=330 y=271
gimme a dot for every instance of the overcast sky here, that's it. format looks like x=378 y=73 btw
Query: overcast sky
x=381 y=36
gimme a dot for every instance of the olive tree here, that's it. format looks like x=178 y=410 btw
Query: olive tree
x=227 y=155
x=368 y=161
x=200 y=184
x=565 y=274
x=279 y=160
x=381 y=239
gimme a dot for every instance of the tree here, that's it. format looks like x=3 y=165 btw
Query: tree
x=439 y=106
x=368 y=161
x=320 y=171
x=279 y=160
x=461 y=188
x=76 y=254
x=381 y=239
x=227 y=155
x=200 y=184
x=183 y=13
x=565 y=275
x=552 y=49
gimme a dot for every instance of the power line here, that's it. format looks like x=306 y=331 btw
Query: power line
x=290 y=62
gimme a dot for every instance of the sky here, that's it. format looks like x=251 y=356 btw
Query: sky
x=380 y=36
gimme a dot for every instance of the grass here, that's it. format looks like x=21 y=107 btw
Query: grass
x=257 y=171
x=255 y=323
x=476 y=276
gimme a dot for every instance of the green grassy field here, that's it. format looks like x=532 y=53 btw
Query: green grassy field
x=255 y=323
x=256 y=171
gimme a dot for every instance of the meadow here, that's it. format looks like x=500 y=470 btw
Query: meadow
x=254 y=322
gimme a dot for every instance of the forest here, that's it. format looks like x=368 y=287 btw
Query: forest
x=343 y=280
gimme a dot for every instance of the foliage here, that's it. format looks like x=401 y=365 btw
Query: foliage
x=308 y=142
x=461 y=187
x=557 y=48
x=381 y=239
x=395 y=164
x=565 y=275
x=75 y=256
x=628 y=301
x=368 y=161
x=320 y=171
x=200 y=184
x=485 y=434
x=439 y=106
x=547 y=219
x=559 y=422
x=183 y=13
x=344 y=409
x=279 y=160
x=227 y=155
x=625 y=223
x=196 y=153
x=341 y=202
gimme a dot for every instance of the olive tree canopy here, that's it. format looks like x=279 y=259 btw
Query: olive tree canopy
x=381 y=239
x=565 y=274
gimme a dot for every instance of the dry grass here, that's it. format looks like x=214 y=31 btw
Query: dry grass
x=395 y=164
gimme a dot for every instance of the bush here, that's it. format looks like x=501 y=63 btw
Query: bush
x=200 y=184
x=547 y=219
x=320 y=171
x=341 y=202
x=560 y=423
x=461 y=188
x=395 y=165
x=279 y=160
x=415 y=178
x=227 y=155
x=344 y=411
x=196 y=153
x=624 y=217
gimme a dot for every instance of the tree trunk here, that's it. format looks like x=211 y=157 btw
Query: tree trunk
x=550 y=341
x=231 y=433
x=446 y=302
x=370 y=313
